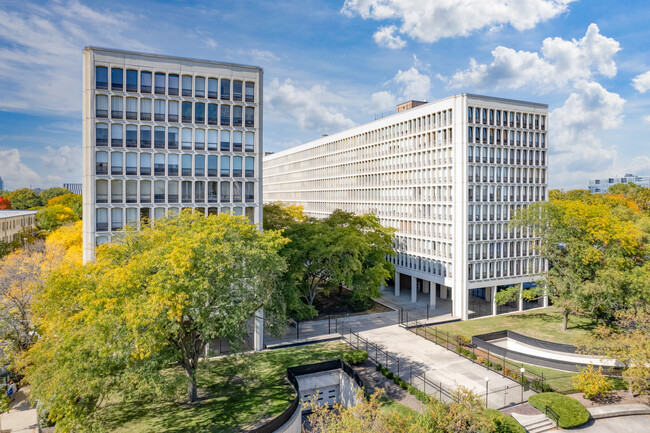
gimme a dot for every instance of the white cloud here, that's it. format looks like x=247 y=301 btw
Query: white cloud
x=642 y=82
x=60 y=165
x=15 y=173
x=574 y=143
x=40 y=53
x=414 y=84
x=263 y=56
x=646 y=119
x=640 y=165
x=385 y=37
x=313 y=109
x=383 y=101
x=560 y=63
x=428 y=21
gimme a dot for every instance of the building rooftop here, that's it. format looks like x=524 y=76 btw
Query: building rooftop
x=15 y=213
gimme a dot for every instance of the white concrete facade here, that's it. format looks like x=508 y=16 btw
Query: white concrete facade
x=602 y=185
x=15 y=222
x=164 y=133
x=448 y=175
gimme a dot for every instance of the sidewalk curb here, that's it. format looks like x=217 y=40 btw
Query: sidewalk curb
x=619 y=410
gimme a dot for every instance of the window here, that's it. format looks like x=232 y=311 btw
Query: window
x=199 y=112
x=145 y=191
x=199 y=165
x=250 y=142
x=250 y=117
x=225 y=115
x=186 y=165
x=212 y=166
x=236 y=115
x=187 y=85
x=116 y=219
x=131 y=136
x=145 y=82
x=212 y=140
x=250 y=192
x=159 y=164
x=116 y=136
x=225 y=141
x=236 y=192
x=172 y=138
x=101 y=165
x=117 y=79
x=101 y=77
x=236 y=90
x=132 y=108
x=199 y=192
x=145 y=109
x=225 y=166
x=225 y=89
x=213 y=88
x=236 y=141
x=159 y=191
x=213 y=114
x=250 y=92
x=172 y=166
x=131 y=166
x=236 y=166
x=199 y=139
x=225 y=192
x=101 y=106
x=159 y=83
x=172 y=116
x=159 y=137
x=187 y=138
x=199 y=87
x=172 y=84
x=145 y=165
x=187 y=112
x=172 y=191
x=213 y=192
x=186 y=191
x=250 y=166
x=145 y=137
x=116 y=107
x=159 y=110
x=101 y=134
x=116 y=163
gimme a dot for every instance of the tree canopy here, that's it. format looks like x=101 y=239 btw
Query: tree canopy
x=151 y=300
x=48 y=194
x=24 y=198
x=52 y=217
x=69 y=200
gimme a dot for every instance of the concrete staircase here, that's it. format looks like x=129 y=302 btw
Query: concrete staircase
x=535 y=423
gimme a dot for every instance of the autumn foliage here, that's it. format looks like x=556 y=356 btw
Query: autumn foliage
x=4 y=203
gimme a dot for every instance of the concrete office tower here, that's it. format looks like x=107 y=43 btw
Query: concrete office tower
x=448 y=175
x=163 y=133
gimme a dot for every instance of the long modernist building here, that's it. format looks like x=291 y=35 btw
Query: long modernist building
x=448 y=175
x=163 y=133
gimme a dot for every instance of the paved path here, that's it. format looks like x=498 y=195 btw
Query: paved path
x=443 y=366
x=21 y=418
x=622 y=424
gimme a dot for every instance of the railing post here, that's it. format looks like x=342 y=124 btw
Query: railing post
x=428 y=310
x=329 y=324
x=398 y=366
x=297 y=329
x=410 y=375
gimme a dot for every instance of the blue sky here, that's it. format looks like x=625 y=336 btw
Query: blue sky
x=331 y=64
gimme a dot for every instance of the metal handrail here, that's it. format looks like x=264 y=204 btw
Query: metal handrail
x=552 y=414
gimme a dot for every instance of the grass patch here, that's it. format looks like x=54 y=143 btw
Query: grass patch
x=545 y=324
x=572 y=413
x=504 y=423
x=236 y=391
x=388 y=405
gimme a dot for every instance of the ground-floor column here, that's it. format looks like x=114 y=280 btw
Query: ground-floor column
x=414 y=289
x=396 y=284
x=545 y=298
x=521 y=298
x=494 y=300
x=258 y=330
x=432 y=294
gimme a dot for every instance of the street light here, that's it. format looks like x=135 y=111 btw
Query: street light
x=487 y=380
x=522 y=369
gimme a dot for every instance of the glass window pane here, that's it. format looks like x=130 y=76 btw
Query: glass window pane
x=212 y=166
x=212 y=140
x=159 y=110
x=236 y=141
x=199 y=165
x=159 y=137
x=187 y=85
x=145 y=82
x=236 y=166
x=213 y=88
x=131 y=136
x=117 y=79
x=225 y=115
x=225 y=166
x=199 y=139
x=173 y=111
x=236 y=115
x=101 y=106
x=250 y=166
x=250 y=117
x=172 y=138
x=145 y=137
x=172 y=83
x=186 y=165
x=131 y=80
x=187 y=138
x=225 y=141
x=199 y=87
x=236 y=90
x=160 y=83
x=250 y=142
x=213 y=114
x=187 y=112
x=116 y=107
x=101 y=77
x=225 y=89
x=145 y=109
x=199 y=112
x=250 y=92
x=116 y=136
x=101 y=134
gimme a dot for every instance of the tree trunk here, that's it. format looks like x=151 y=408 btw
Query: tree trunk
x=340 y=290
x=191 y=382
x=565 y=319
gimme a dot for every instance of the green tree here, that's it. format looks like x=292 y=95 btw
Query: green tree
x=52 y=217
x=48 y=194
x=281 y=216
x=152 y=299
x=24 y=198
x=70 y=200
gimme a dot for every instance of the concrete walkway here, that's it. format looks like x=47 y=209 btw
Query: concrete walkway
x=21 y=417
x=442 y=366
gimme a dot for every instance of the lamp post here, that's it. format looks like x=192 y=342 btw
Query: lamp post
x=522 y=370
x=487 y=380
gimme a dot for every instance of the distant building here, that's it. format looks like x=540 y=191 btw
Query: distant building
x=74 y=188
x=14 y=222
x=603 y=185
x=2 y=184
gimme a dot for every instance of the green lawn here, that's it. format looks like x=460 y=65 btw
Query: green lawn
x=237 y=391
x=390 y=405
x=572 y=413
x=545 y=324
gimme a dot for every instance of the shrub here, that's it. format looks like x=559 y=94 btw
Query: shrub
x=459 y=349
x=504 y=423
x=397 y=380
x=538 y=386
x=378 y=367
x=4 y=403
x=462 y=340
x=480 y=360
x=403 y=385
x=355 y=357
x=592 y=382
x=496 y=366
x=389 y=375
x=472 y=356
x=572 y=413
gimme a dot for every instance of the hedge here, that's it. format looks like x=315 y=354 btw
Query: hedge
x=355 y=357
x=572 y=413
x=504 y=423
